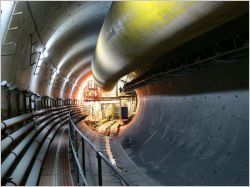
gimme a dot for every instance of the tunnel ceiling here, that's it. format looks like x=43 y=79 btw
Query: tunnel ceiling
x=66 y=31
x=69 y=40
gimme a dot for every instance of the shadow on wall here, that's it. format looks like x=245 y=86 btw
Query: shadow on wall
x=229 y=75
x=193 y=129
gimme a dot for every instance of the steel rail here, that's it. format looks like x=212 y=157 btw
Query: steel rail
x=99 y=154
x=78 y=162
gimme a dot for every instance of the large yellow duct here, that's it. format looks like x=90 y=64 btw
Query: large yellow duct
x=134 y=33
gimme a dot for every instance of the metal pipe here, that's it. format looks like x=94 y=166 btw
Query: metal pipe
x=99 y=163
x=135 y=33
x=83 y=157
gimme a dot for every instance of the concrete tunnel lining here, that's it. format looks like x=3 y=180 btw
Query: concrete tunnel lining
x=188 y=130
x=201 y=130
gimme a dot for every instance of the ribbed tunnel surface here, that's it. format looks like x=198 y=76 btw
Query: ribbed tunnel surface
x=125 y=93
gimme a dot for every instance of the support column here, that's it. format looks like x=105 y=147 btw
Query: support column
x=24 y=102
x=18 y=103
x=9 y=103
x=34 y=100
x=30 y=102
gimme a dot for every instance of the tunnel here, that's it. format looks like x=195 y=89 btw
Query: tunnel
x=125 y=93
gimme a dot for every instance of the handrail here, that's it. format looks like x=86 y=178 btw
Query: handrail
x=99 y=154
x=78 y=163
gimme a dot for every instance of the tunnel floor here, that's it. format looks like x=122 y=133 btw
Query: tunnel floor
x=56 y=167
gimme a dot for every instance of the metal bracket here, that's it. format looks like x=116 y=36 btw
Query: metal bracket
x=33 y=53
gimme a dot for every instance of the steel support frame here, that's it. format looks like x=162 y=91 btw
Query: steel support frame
x=9 y=114
x=24 y=102
x=18 y=103
x=30 y=102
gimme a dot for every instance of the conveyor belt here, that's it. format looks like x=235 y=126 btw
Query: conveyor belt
x=56 y=167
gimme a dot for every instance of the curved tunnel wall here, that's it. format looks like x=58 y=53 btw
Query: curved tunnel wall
x=193 y=130
x=135 y=34
x=66 y=31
